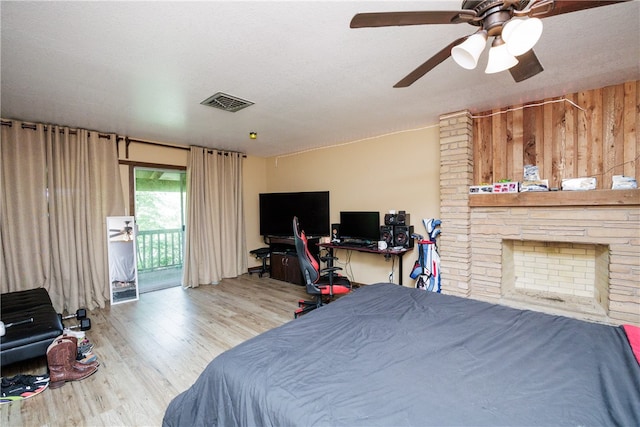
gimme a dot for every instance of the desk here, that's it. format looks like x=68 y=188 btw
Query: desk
x=386 y=252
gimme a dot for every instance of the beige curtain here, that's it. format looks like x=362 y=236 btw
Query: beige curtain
x=55 y=224
x=24 y=222
x=215 y=246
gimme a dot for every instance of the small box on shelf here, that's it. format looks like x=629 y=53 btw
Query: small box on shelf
x=538 y=185
x=481 y=189
x=505 y=187
x=579 y=184
x=621 y=182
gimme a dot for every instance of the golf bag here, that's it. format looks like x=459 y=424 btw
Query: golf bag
x=426 y=270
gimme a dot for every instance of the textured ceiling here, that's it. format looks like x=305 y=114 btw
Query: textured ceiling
x=141 y=69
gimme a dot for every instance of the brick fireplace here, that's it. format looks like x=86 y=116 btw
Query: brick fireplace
x=562 y=273
x=558 y=252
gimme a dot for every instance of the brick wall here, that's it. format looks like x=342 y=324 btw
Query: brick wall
x=549 y=267
x=557 y=274
x=614 y=227
x=456 y=173
x=472 y=244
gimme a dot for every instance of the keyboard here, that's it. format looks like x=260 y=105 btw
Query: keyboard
x=357 y=244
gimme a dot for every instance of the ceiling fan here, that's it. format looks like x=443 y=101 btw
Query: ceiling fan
x=125 y=232
x=514 y=25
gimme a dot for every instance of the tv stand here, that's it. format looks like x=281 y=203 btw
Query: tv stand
x=284 y=259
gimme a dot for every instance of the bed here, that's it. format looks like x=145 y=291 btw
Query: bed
x=393 y=356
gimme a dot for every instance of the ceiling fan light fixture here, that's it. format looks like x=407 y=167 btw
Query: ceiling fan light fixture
x=499 y=57
x=466 y=54
x=520 y=35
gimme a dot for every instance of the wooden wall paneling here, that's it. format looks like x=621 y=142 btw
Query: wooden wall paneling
x=517 y=141
x=570 y=133
x=583 y=136
x=618 y=167
x=630 y=127
x=557 y=144
x=600 y=138
x=636 y=159
x=529 y=135
x=545 y=161
x=619 y=135
x=509 y=159
x=540 y=140
x=498 y=131
x=475 y=150
x=482 y=151
x=608 y=140
x=595 y=118
x=613 y=134
x=487 y=147
x=636 y=162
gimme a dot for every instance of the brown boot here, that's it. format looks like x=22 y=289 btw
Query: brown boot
x=78 y=365
x=61 y=357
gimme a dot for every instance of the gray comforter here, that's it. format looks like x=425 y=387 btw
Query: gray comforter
x=393 y=356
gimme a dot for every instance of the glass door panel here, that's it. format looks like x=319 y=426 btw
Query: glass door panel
x=160 y=196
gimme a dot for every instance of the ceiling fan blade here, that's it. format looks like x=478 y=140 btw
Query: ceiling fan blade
x=430 y=64
x=389 y=19
x=567 y=6
x=528 y=66
x=116 y=234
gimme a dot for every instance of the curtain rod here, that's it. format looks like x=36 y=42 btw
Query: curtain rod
x=178 y=147
x=127 y=140
x=32 y=126
x=159 y=144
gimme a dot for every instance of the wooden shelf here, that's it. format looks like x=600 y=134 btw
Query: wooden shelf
x=558 y=198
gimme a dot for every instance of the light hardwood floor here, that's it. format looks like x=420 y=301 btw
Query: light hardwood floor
x=153 y=349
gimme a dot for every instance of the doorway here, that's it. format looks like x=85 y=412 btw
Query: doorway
x=160 y=199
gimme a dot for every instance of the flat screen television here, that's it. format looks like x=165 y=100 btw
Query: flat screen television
x=278 y=209
x=360 y=225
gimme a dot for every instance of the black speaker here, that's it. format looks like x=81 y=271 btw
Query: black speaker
x=335 y=232
x=402 y=236
x=386 y=234
x=402 y=218
x=389 y=219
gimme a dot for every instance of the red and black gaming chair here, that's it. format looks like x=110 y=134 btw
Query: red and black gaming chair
x=324 y=283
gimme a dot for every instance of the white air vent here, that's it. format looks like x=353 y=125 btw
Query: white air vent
x=226 y=102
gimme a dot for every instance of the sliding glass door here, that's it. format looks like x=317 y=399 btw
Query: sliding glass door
x=160 y=199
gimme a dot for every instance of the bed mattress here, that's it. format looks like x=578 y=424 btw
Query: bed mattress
x=392 y=356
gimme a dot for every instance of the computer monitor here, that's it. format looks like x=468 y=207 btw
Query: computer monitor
x=360 y=225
